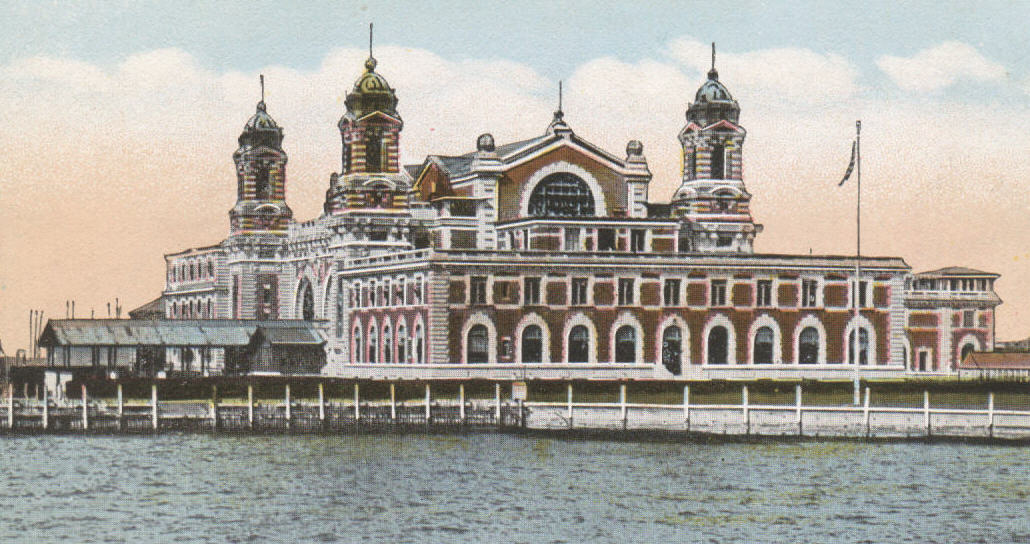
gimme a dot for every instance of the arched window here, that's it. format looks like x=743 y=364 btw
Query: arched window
x=419 y=345
x=477 y=348
x=561 y=195
x=808 y=346
x=373 y=152
x=763 y=350
x=261 y=188
x=387 y=345
x=373 y=345
x=672 y=349
x=579 y=344
x=626 y=344
x=718 y=348
x=357 y=344
x=532 y=344
x=863 y=347
x=308 y=303
x=402 y=344
x=209 y=314
x=966 y=350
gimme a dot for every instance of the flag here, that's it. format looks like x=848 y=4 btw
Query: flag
x=851 y=165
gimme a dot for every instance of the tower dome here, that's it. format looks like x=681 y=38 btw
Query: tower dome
x=261 y=129
x=371 y=93
x=713 y=101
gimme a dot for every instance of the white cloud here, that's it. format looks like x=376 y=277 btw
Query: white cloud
x=939 y=67
x=139 y=153
x=782 y=76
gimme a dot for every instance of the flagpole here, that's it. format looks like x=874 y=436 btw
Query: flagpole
x=855 y=293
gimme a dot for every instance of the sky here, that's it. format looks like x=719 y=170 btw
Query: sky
x=120 y=119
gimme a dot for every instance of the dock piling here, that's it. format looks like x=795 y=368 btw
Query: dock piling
x=250 y=406
x=357 y=402
x=746 y=410
x=623 y=409
x=289 y=414
x=46 y=408
x=321 y=403
x=393 y=403
x=497 y=403
x=569 y=401
x=461 y=403
x=10 y=406
x=990 y=414
x=429 y=405
x=798 y=414
x=121 y=409
x=865 y=413
x=153 y=406
x=926 y=412
x=85 y=409
x=686 y=406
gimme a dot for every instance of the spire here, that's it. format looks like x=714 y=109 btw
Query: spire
x=261 y=105
x=370 y=64
x=713 y=73
x=558 y=125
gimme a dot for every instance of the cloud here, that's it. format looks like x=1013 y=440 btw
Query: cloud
x=108 y=167
x=940 y=67
x=784 y=76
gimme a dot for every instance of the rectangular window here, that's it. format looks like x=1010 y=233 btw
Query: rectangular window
x=862 y=298
x=572 y=239
x=718 y=295
x=463 y=239
x=968 y=318
x=718 y=161
x=625 y=291
x=637 y=238
x=606 y=239
x=505 y=292
x=418 y=291
x=671 y=293
x=764 y=295
x=477 y=290
x=579 y=291
x=809 y=289
x=724 y=240
x=532 y=289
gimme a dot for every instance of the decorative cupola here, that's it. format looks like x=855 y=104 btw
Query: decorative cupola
x=260 y=176
x=370 y=133
x=712 y=199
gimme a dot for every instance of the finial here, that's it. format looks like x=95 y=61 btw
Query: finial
x=559 y=94
x=370 y=64
x=261 y=105
x=713 y=74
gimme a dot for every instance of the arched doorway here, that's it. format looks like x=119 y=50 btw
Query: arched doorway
x=626 y=344
x=718 y=340
x=672 y=349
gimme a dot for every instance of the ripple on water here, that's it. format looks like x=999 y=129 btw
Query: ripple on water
x=497 y=487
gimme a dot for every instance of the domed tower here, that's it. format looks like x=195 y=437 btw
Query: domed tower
x=370 y=175
x=260 y=176
x=712 y=201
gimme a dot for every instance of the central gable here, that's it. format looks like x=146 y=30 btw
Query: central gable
x=597 y=172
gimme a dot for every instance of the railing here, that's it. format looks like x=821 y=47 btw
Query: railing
x=389 y=258
x=798 y=419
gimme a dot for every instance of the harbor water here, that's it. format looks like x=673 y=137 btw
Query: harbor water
x=505 y=488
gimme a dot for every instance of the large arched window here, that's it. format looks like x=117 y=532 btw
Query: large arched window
x=763 y=349
x=626 y=344
x=966 y=350
x=718 y=348
x=672 y=349
x=532 y=344
x=808 y=346
x=561 y=195
x=262 y=188
x=477 y=348
x=307 y=303
x=579 y=344
x=863 y=347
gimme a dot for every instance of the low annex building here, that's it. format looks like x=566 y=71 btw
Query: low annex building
x=547 y=256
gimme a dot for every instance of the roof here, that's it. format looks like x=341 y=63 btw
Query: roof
x=299 y=334
x=457 y=166
x=150 y=310
x=995 y=360
x=956 y=271
x=159 y=332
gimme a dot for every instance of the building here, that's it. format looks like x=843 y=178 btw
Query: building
x=546 y=257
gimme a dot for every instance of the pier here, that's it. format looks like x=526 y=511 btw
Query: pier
x=574 y=407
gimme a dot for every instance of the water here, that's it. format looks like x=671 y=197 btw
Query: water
x=498 y=488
